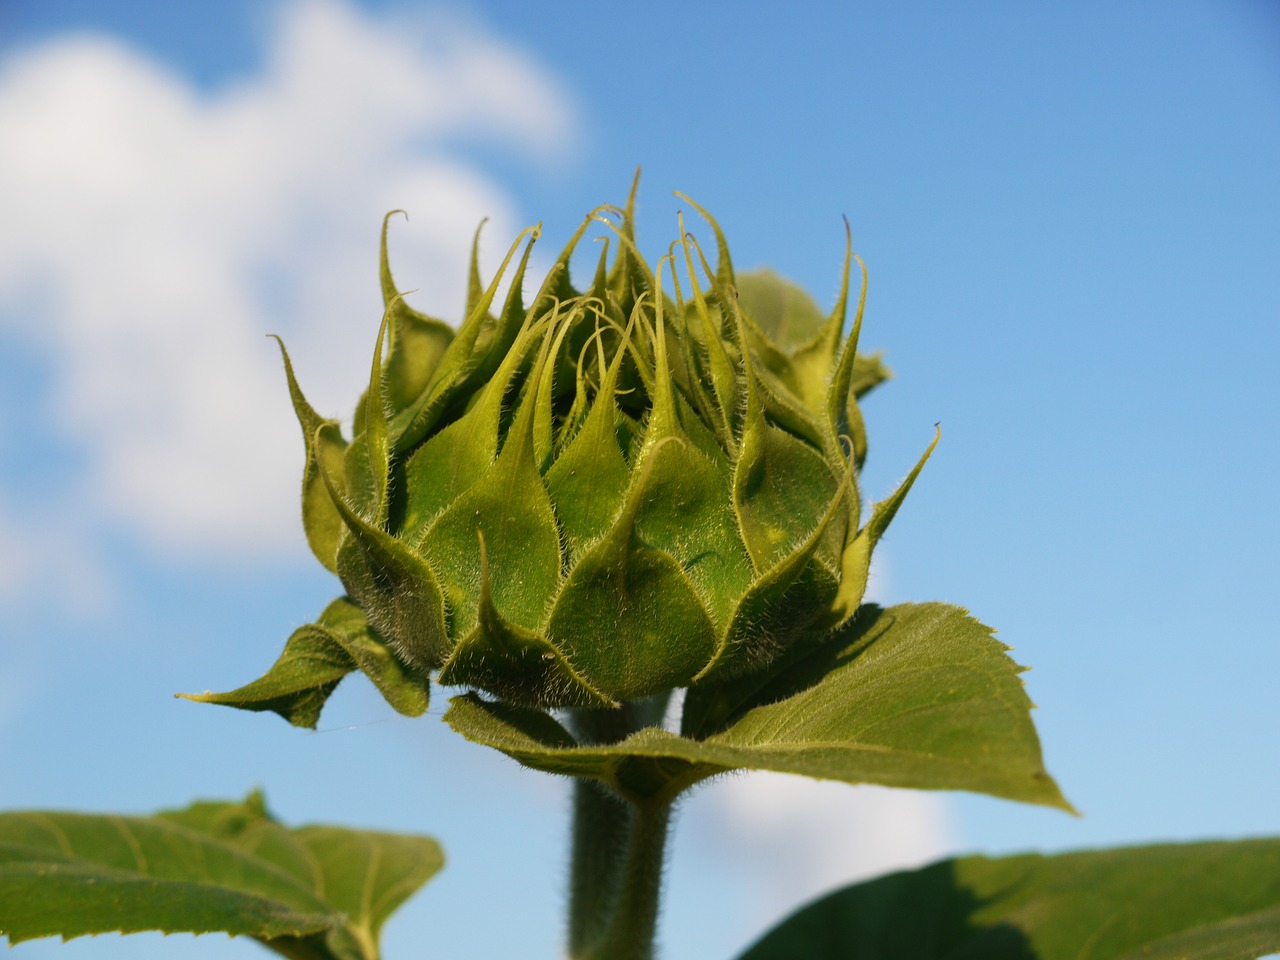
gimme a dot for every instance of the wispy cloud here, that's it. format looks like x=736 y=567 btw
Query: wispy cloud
x=154 y=233
x=45 y=555
x=797 y=838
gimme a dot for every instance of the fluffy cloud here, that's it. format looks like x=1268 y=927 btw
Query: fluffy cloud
x=154 y=233
x=798 y=838
x=43 y=554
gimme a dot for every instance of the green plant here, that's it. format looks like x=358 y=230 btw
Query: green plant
x=573 y=508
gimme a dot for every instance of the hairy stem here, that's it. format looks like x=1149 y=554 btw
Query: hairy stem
x=601 y=823
x=631 y=929
x=603 y=829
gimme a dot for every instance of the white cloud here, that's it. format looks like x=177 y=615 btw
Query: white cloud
x=799 y=838
x=44 y=554
x=154 y=233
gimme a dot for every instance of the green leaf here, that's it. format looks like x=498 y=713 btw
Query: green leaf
x=708 y=355
x=509 y=507
x=513 y=663
x=395 y=586
x=315 y=658
x=780 y=308
x=316 y=892
x=815 y=360
x=630 y=275
x=589 y=479
x=463 y=364
x=628 y=617
x=687 y=510
x=855 y=560
x=320 y=519
x=494 y=339
x=919 y=695
x=374 y=438
x=781 y=487
x=417 y=341
x=451 y=461
x=1209 y=901
x=629 y=620
x=867 y=374
x=688 y=514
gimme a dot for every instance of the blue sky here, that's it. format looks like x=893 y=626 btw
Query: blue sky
x=1071 y=218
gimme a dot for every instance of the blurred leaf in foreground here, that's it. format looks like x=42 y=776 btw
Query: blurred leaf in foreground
x=311 y=893
x=1202 y=901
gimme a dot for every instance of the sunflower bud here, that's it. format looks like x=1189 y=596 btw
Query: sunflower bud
x=602 y=494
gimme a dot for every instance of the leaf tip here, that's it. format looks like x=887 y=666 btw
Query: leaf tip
x=1059 y=802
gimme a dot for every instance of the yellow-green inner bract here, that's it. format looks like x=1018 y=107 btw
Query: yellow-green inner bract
x=606 y=493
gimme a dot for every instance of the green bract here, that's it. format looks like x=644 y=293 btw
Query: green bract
x=593 y=497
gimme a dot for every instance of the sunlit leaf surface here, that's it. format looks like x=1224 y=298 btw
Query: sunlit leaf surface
x=1204 y=901
x=919 y=695
x=313 y=892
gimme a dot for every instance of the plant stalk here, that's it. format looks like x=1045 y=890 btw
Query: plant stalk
x=604 y=838
x=601 y=824
x=630 y=934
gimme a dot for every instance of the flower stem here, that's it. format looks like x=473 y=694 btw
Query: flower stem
x=631 y=929
x=606 y=830
x=601 y=823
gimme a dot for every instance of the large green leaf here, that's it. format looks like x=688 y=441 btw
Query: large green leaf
x=320 y=893
x=1207 y=901
x=914 y=696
